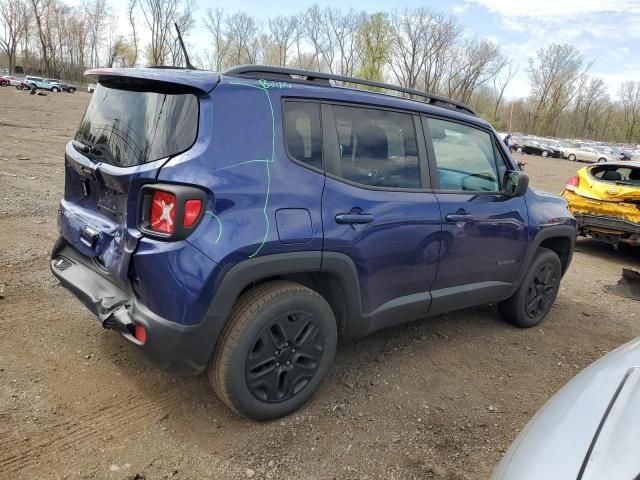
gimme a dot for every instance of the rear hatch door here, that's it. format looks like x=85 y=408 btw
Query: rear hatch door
x=128 y=132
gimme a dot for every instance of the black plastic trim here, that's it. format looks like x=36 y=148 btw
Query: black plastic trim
x=320 y=78
x=252 y=270
x=545 y=233
x=463 y=296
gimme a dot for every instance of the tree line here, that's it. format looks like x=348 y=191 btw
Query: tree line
x=420 y=48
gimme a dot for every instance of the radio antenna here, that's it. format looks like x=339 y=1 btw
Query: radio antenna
x=184 y=50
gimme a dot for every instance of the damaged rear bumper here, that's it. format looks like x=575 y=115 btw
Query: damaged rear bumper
x=608 y=229
x=169 y=345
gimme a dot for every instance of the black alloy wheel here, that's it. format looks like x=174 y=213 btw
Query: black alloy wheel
x=284 y=357
x=533 y=299
x=541 y=291
x=275 y=349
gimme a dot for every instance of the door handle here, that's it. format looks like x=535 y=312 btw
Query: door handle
x=458 y=217
x=352 y=218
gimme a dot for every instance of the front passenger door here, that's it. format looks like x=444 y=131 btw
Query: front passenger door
x=483 y=230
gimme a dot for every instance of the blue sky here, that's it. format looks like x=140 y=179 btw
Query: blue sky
x=606 y=31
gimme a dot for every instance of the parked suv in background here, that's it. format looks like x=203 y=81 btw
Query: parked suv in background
x=241 y=223
x=64 y=86
x=42 y=84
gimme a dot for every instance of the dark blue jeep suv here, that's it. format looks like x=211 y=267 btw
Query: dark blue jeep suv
x=241 y=223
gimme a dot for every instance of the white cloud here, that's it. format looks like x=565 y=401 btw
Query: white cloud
x=557 y=8
x=605 y=31
x=460 y=8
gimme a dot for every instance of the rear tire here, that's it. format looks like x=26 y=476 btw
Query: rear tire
x=275 y=350
x=533 y=300
x=572 y=157
x=72 y=90
x=602 y=160
x=545 y=153
x=520 y=149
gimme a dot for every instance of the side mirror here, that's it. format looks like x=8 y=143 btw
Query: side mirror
x=515 y=183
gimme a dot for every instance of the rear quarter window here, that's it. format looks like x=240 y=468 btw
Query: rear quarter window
x=128 y=127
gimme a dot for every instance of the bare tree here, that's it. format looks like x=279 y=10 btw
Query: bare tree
x=409 y=31
x=343 y=29
x=630 y=101
x=242 y=32
x=595 y=100
x=284 y=32
x=214 y=22
x=312 y=19
x=476 y=62
x=500 y=83
x=443 y=33
x=131 y=7
x=14 y=18
x=159 y=16
x=553 y=74
x=186 y=22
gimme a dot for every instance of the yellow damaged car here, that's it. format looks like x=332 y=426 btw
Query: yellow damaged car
x=605 y=199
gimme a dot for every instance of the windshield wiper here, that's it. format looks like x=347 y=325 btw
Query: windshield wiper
x=622 y=182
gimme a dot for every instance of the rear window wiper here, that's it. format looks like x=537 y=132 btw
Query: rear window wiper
x=82 y=147
x=97 y=152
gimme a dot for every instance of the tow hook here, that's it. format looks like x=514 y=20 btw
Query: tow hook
x=119 y=320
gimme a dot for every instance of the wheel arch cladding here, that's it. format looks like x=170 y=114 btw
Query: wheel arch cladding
x=562 y=247
x=332 y=275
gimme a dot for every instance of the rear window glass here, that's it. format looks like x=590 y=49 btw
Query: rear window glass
x=610 y=173
x=131 y=127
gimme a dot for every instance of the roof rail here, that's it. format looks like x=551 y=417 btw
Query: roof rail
x=319 y=78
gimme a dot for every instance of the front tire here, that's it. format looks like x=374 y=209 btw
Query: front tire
x=572 y=157
x=520 y=149
x=533 y=300
x=545 y=153
x=55 y=89
x=274 y=351
x=602 y=160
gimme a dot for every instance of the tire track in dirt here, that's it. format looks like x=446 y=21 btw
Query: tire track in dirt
x=61 y=441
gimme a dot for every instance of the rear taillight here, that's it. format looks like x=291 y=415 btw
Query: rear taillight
x=163 y=212
x=572 y=184
x=192 y=209
x=170 y=212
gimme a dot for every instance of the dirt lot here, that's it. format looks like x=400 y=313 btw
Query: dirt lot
x=439 y=398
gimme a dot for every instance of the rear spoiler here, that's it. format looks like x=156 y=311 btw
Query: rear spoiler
x=198 y=81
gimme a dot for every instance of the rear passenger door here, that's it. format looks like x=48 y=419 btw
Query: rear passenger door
x=379 y=211
x=484 y=230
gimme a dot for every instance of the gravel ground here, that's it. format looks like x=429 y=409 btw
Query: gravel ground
x=438 y=398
